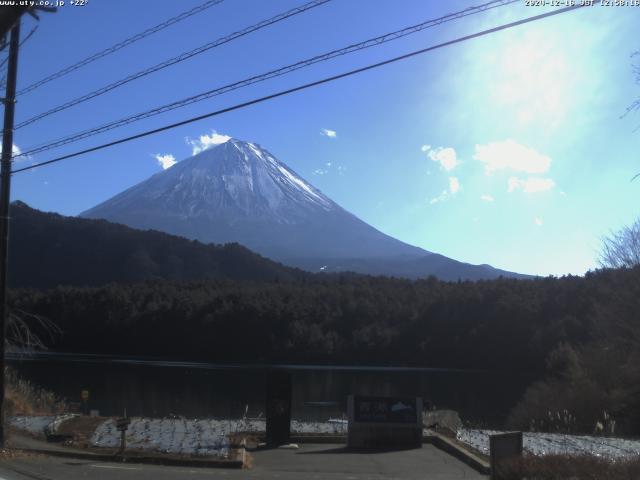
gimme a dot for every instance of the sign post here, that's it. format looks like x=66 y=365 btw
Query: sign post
x=84 y=397
x=278 y=408
x=122 y=424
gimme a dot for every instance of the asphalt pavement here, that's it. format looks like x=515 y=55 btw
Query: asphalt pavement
x=311 y=461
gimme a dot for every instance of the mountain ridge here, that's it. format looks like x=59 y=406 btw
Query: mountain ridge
x=49 y=249
x=238 y=191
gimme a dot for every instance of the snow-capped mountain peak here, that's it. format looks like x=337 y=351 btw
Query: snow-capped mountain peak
x=237 y=191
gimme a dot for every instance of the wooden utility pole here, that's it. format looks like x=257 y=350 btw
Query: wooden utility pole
x=5 y=197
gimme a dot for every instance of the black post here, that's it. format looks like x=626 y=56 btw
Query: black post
x=5 y=198
x=278 y=407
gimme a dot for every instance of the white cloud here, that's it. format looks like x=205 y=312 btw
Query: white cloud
x=206 y=141
x=165 y=161
x=530 y=185
x=446 y=157
x=487 y=198
x=538 y=221
x=454 y=185
x=17 y=153
x=329 y=133
x=509 y=154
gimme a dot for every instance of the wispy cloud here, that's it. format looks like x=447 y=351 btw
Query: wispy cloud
x=454 y=185
x=328 y=167
x=510 y=155
x=324 y=170
x=329 y=133
x=166 y=160
x=487 y=198
x=445 y=156
x=206 y=141
x=538 y=221
x=440 y=198
x=530 y=185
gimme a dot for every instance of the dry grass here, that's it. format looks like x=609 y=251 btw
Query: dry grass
x=24 y=398
x=563 y=467
x=248 y=461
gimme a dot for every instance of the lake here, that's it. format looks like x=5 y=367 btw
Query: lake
x=159 y=388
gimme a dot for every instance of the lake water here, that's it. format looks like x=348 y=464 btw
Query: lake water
x=159 y=388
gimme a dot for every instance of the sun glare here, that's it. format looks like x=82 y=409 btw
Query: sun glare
x=533 y=77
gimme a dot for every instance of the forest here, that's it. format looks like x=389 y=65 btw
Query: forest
x=577 y=335
x=48 y=249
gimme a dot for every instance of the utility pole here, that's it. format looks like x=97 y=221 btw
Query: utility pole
x=5 y=197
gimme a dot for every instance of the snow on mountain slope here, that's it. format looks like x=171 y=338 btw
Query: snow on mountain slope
x=239 y=192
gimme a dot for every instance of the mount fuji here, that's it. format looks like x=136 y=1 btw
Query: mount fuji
x=239 y=192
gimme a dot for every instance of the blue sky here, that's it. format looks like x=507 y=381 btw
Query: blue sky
x=507 y=150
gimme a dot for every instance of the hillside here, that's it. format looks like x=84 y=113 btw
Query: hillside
x=47 y=249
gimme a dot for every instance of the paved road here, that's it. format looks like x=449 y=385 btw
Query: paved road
x=313 y=462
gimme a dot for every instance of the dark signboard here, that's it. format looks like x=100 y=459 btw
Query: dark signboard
x=385 y=409
x=504 y=447
x=122 y=424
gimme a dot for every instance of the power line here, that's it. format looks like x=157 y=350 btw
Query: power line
x=303 y=87
x=124 y=43
x=268 y=75
x=172 y=61
x=3 y=81
x=22 y=42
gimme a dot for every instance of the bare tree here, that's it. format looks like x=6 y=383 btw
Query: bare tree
x=636 y=70
x=622 y=248
x=636 y=104
x=21 y=328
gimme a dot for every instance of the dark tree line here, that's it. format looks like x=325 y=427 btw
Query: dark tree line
x=498 y=324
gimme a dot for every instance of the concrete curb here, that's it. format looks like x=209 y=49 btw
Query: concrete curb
x=318 y=439
x=174 y=462
x=447 y=445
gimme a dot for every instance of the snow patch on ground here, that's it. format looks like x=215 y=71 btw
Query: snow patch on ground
x=539 y=443
x=177 y=436
x=206 y=437
x=38 y=425
x=196 y=437
x=33 y=425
